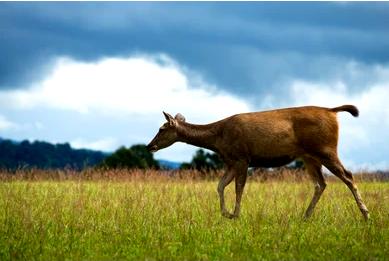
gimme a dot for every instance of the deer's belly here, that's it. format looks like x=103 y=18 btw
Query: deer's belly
x=270 y=162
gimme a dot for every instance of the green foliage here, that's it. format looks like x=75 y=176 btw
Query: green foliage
x=204 y=161
x=135 y=157
x=176 y=220
x=45 y=155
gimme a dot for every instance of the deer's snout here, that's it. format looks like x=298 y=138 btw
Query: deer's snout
x=152 y=148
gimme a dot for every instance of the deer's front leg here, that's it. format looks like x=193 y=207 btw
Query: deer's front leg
x=225 y=180
x=239 y=171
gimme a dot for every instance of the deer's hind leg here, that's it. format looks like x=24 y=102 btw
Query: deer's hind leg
x=336 y=167
x=240 y=181
x=313 y=167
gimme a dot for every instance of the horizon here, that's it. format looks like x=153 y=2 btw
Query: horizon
x=99 y=75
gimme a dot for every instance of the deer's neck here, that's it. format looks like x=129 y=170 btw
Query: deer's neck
x=205 y=136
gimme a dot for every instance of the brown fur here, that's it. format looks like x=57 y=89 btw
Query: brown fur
x=267 y=139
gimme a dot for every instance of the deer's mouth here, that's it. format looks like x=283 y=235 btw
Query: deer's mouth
x=153 y=148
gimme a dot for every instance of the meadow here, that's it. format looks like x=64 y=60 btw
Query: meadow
x=139 y=215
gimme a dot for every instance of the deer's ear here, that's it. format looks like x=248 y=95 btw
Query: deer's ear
x=169 y=118
x=179 y=117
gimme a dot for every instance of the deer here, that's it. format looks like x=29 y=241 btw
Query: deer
x=271 y=138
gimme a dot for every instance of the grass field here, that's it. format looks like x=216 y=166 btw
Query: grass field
x=160 y=218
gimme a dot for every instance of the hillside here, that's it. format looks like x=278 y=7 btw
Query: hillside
x=44 y=155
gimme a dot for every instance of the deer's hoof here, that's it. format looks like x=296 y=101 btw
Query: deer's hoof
x=227 y=215
x=306 y=217
x=366 y=215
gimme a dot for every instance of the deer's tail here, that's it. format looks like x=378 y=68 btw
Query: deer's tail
x=349 y=108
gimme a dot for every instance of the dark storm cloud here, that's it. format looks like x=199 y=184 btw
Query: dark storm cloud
x=243 y=47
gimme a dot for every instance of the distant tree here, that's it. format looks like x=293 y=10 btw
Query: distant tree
x=204 y=161
x=145 y=156
x=137 y=156
x=39 y=154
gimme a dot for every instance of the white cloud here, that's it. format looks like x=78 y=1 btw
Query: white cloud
x=38 y=125
x=104 y=144
x=5 y=124
x=136 y=85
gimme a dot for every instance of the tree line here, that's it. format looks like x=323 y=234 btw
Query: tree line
x=44 y=155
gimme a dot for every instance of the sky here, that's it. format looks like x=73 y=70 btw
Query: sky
x=99 y=74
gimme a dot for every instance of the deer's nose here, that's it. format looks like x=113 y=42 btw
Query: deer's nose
x=152 y=148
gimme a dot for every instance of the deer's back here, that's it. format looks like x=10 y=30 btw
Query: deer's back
x=279 y=135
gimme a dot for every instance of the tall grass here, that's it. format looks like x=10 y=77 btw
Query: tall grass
x=146 y=215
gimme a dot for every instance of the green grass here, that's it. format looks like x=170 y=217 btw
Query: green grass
x=167 y=219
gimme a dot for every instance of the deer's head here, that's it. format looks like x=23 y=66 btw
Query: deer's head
x=167 y=133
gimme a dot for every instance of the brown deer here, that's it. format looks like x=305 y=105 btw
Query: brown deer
x=267 y=139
